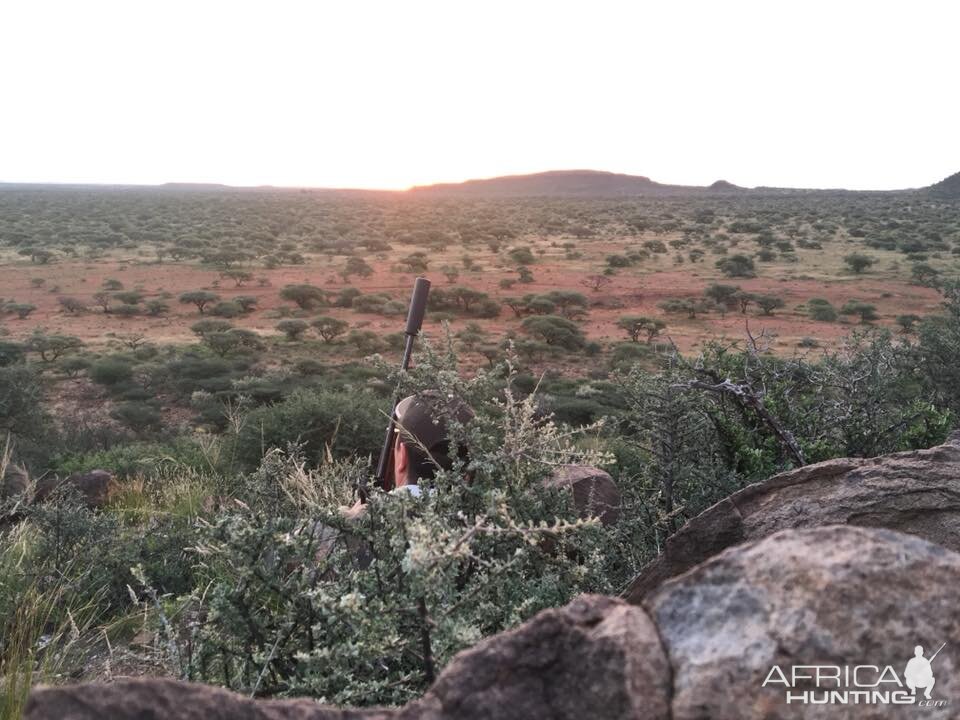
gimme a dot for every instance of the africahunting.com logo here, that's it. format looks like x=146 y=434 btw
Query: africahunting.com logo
x=859 y=684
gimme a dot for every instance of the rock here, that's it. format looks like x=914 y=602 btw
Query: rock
x=596 y=658
x=595 y=494
x=163 y=699
x=15 y=481
x=916 y=492
x=836 y=595
x=93 y=486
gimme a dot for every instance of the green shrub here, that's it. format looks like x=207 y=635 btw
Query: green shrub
x=737 y=266
x=866 y=311
x=293 y=329
x=111 y=371
x=346 y=422
x=555 y=331
x=133 y=459
x=228 y=309
x=450 y=567
x=821 y=310
x=138 y=416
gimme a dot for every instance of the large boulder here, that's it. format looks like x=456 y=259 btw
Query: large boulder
x=916 y=492
x=595 y=494
x=596 y=658
x=93 y=487
x=829 y=596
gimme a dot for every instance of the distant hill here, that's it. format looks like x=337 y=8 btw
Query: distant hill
x=567 y=183
x=194 y=186
x=724 y=186
x=553 y=183
x=949 y=187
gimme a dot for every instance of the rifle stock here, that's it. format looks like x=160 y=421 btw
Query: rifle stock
x=418 y=308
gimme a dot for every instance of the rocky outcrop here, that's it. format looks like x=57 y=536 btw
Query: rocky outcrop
x=834 y=596
x=915 y=492
x=699 y=647
x=93 y=487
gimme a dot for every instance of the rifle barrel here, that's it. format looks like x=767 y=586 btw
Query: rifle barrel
x=418 y=308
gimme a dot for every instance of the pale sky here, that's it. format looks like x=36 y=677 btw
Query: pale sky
x=359 y=93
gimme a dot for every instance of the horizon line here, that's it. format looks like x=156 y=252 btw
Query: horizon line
x=408 y=188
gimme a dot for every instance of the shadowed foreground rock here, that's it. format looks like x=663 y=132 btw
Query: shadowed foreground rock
x=916 y=492
x=162 y=699
x=698 y=648
x=595 y=494
x=14 y=481
x=93 y=487
x=597 y=658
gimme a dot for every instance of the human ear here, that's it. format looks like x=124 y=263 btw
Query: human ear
x=401 y=463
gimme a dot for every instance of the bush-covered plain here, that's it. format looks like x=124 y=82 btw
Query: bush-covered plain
x=238 y=419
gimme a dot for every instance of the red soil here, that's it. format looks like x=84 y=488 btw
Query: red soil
x=636 y=295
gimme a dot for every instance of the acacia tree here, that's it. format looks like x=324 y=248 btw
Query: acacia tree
x=37 y=255
x=103 y=299
x=210 y=325
x=596 y=282
x=200 y=298
x=737 y=266
x=769 y=303
x=725 y=295
x=239 y=277
x=293 y=329
x=329 y=328
x=51 y=347
x=72 y=305
x=908 y=322
x=518 y=305
x=636 y=326
x=556 y=331
x=304 y=296
x=858 y=262
x=690 y=306
x=356 y=266
x=744 y=299
x=21 y=309
x=865 y=310
x=466 y=297
x=233 y=340
x=569 y=303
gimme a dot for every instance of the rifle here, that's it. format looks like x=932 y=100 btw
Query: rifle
x=418 y=307
x=937 y=652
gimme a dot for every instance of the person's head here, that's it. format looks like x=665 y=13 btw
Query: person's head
x=422 y=442
x=918 y=651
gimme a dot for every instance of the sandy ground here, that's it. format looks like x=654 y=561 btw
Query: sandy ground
x=634 y=291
